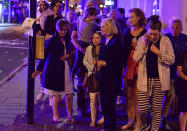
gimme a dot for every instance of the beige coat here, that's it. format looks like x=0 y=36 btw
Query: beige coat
x=163 y=64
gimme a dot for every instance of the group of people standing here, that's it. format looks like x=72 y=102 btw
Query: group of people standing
x=108 y=52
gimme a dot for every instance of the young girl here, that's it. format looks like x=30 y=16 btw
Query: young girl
x=90 y=60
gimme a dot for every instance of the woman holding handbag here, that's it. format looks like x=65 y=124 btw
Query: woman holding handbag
x=90 y=61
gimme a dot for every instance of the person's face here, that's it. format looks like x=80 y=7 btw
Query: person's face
x=154 y=35
x=176 y=29
x=133 y=19
x=113 y=15
x=93 y=17
x=104 y=29
x=62 y=32
x=96 y=39
x=43 y=6
x=58 y=8
x=71 y=14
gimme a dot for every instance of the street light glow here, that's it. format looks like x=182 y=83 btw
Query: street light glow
x=101 y=6
x=0 y=10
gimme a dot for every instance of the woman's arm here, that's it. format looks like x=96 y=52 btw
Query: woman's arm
x=168 y=57
x=180 y=73
x=140 y=50
x=75 y=42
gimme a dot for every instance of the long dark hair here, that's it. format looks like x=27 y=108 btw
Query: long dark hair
x=94 y=53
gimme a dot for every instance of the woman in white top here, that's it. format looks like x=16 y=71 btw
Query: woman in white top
x=90 y=61
x=42 y=14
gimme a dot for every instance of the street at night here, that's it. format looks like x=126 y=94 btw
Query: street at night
x=13 y=52
x=93 y=65
x=13 y=49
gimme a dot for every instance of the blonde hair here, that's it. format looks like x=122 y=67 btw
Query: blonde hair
x=112 y=28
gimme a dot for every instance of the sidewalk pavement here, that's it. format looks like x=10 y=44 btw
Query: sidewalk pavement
x=13 y=110
x=8 y=24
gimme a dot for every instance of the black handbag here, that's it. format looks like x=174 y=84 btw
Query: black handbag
x=93 y=80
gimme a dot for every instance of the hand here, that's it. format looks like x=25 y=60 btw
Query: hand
x=82 y=50
x=155 y=50
x=94 y=61
x=65 y=57
x=185 y=78
x=47 y=36
x=39 y=32
x=84 y=83
x=134 y=43
x=38 y=21
x=146 y=39
x=36 y=73
x=101 y=63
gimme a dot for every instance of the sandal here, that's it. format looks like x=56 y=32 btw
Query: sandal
x=57 y=119
x=92 y=124
x=127 y=126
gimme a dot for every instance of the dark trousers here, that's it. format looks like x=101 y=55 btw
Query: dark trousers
x=79 y=66
x=80 y=70
x=81 y=99
x=109 y=111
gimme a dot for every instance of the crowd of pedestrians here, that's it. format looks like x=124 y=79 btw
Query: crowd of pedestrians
x=105 y=51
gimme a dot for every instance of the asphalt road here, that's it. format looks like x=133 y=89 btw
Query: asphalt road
x=13 y=49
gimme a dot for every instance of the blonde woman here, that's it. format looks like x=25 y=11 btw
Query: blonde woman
x=110 y=65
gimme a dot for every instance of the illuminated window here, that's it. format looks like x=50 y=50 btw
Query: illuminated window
x=109 y=2
x=0 y=11
x=156 y=7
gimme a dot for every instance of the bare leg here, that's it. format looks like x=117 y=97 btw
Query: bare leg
x=55 y=105
x=69 y=104
x=138 y=122
x=131 y=113
x=41 y=94
x=130 y=105
x=183 y=120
